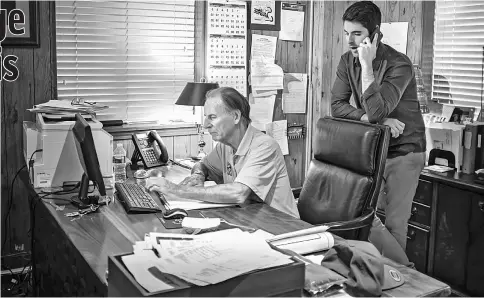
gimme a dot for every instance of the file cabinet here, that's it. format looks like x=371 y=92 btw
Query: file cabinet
x=445 y=237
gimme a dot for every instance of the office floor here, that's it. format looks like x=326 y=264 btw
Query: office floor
x=16 y=285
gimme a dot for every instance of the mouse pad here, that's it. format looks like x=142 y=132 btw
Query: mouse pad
x=176 y=223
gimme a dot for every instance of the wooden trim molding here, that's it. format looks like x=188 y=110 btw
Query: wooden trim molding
x=124 y=132
x=320 y=104
x=200 y=34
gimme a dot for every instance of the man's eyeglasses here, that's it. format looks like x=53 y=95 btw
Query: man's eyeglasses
x=79 y=101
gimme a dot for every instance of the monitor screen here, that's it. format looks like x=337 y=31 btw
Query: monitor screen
x=86 y=150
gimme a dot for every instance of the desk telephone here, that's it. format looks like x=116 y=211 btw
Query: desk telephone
x=150 y=149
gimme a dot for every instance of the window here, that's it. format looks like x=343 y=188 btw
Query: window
x=135 y=57
x=458 y=52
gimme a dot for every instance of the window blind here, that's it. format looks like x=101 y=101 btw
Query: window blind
x=458 y=52
x=135 y=57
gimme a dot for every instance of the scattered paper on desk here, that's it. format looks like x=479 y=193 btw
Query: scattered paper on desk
x=261 y=110
x=138 y=265
x=315 y=259
x=188 y=204
x=292 y=22
x=200 y=223
x=213 y=257
x=187 y=162
x=209 y=183
x=295 y=93
x=447 y=111
x=395 y=35
x=437 y=168
x=278 y=130
x=264 y=46
x=263 y=234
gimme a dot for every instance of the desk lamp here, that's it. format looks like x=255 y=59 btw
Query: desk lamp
x=194 y=95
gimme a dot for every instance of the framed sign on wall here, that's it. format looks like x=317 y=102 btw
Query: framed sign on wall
x=29 y=11
x=265 y=15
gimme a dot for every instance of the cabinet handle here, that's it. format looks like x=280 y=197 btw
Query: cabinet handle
x=481 y=205
x=414 y=211
x=411 y=235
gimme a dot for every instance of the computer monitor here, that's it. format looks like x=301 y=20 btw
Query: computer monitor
x=89 y=161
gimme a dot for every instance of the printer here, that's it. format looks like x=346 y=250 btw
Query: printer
x=447 y=137
x=58 y=162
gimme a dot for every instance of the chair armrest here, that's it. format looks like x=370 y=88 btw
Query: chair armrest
x=357 y=223
x=296 y=192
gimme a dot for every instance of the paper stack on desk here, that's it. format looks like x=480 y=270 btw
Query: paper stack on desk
x=67 y=107
x=199 y=259
x=306 y=241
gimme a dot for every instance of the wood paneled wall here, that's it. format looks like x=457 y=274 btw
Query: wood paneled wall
x=34 y=85
x=293 y=57
x=334 y=43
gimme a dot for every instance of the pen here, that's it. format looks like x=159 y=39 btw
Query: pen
x=180 y=164
x=155 y=252
x=164 y=201
x=173 y=238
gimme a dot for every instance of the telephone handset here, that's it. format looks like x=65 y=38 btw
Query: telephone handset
x=150 y=149
x=380 y=35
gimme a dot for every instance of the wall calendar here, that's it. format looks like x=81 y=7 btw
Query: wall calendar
x=227 y=44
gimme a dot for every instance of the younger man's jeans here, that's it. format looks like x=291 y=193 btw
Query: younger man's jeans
x=396 y=196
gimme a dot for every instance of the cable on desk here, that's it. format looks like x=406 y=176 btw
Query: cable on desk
x=7 y=215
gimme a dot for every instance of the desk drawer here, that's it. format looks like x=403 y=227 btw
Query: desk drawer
x=417 y=244
x=417 y=247
x=420 y=214
x=423 y=194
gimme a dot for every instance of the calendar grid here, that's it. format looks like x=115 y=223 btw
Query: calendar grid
x=226 y=44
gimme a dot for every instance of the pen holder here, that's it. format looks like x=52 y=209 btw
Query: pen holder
x=140 y=177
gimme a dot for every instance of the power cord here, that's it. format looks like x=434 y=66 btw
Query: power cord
x=33 y=204
x=31 y=165
x=7 y=215
x=10 y=203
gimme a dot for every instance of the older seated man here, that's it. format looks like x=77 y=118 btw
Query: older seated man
x=247 y=164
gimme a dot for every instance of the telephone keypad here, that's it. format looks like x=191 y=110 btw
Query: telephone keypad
x=150 y=156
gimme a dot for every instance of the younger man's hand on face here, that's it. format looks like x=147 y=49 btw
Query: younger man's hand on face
x=367 y=51
x=396 y=126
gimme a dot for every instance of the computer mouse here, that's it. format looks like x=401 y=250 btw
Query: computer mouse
x=175 y=213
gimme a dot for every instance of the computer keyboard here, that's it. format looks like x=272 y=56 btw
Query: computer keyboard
x=135 y=198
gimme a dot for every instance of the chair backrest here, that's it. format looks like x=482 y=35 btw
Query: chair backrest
x=346 y=172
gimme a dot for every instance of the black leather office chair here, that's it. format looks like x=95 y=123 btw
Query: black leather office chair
x=343 y=181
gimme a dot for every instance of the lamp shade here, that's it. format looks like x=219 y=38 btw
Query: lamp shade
x=194 y=93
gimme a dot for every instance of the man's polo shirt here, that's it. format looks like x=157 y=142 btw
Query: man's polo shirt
x=259 y=164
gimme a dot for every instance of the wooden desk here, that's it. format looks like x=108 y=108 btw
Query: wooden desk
x=71 y=255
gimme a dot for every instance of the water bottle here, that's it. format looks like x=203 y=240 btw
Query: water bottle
x=119 y=163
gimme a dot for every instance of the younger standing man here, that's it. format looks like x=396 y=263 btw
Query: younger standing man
x=382 y=81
